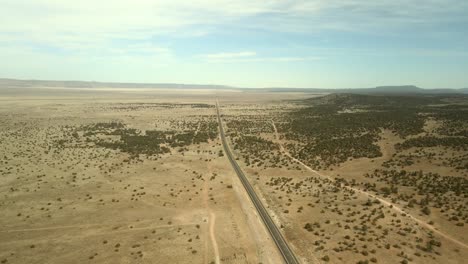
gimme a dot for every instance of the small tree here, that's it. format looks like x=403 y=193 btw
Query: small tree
x=426 y=210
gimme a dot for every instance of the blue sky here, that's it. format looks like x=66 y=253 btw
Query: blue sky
x=268 y=43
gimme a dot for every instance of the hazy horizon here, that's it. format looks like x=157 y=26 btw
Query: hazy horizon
x=229 y=86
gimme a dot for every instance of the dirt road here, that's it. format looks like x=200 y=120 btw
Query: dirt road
x=383 y=201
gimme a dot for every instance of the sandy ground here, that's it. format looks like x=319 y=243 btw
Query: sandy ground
x=89 y=205
x=77 y=204
x=344 y=227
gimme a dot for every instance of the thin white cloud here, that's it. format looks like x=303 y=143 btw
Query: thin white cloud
x=248 y=57
x=86 y=24
x=228 y=55
x=290 y=59
x=140 y=34
x=142 y=48
x=129 y=18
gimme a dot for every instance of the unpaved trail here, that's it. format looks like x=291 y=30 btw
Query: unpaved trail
x=213 y=237
x=282 y=245
x=92 y=225
x=383 y=201
x=196 y=131
x=211 y=221
x=49 y=228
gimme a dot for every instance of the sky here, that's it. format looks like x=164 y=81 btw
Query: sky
x=245 y=43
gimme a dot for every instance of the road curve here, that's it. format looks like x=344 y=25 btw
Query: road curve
x=283 y=247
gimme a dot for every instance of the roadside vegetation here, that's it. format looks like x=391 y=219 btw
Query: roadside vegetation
x=332 y=129
x=410 y=151
x=119 y=136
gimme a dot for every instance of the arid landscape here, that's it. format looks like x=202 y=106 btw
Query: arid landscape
x=361 y=178
x=140 y=175
x=233 y=131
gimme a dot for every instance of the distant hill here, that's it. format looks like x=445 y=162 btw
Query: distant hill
x=405 y=89
x=398 y=89
x=394 y=90
x=397 y=100
x=12 y=83
x=411 y=89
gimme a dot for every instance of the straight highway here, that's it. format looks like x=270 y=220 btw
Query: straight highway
x=280 y=242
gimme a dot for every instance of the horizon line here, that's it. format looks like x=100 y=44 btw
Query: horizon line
x=222 y=85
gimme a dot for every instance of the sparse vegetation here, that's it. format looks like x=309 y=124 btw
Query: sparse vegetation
x=93 y=161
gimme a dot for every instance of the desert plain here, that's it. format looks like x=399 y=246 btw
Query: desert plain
x=140 y=176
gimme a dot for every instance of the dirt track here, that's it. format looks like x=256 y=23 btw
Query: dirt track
x=389 y=204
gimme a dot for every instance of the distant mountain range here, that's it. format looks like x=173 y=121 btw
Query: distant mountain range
x=12 y=83
x=376 y=100
x=415 y=89
x=405 y=89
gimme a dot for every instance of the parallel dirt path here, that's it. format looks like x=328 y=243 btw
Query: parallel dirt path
x=383 y=201
x=282 y=245
x=102 y=231
x=90 y=225
x=211 y=221
x=213 y=237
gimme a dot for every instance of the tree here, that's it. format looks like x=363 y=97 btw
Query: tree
x=426 y=210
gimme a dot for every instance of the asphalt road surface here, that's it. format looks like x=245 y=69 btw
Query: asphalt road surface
x=283 y=247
